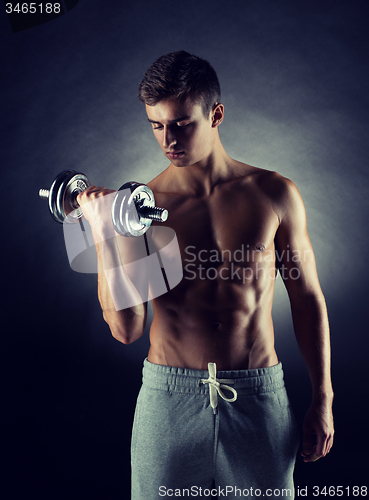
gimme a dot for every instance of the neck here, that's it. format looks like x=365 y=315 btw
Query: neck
x=201 y=178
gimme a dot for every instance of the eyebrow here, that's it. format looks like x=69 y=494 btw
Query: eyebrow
x=180 y=119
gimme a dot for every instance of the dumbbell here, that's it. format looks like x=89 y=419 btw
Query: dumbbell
x=132 y=211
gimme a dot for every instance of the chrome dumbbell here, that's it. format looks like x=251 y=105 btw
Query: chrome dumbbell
x=133 y=207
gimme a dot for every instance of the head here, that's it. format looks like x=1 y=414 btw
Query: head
x=182 y=97
x=179 y=75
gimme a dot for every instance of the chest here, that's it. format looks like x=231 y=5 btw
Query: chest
x=224 y=226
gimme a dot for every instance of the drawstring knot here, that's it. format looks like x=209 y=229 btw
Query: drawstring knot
x=216 y=386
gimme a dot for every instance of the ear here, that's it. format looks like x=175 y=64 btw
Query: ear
x=217 y=115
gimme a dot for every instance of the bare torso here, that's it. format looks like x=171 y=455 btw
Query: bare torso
x=221 y=310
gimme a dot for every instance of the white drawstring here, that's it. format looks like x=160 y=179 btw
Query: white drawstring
x=216 y=386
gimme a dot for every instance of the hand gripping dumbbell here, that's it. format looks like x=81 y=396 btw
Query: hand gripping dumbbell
x=133 y=207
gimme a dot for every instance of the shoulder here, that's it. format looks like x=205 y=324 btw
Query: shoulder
x=268 y=180
x=282 y=193
x=162 y=189
x=165 y=194
x=158 y=182
x=280 y=189
x=267 y=185
x=274 y=189
x=274 y=184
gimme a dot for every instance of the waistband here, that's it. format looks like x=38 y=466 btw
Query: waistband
x=186 y=380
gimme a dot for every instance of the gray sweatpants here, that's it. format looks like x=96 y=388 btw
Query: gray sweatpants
x=189 y=442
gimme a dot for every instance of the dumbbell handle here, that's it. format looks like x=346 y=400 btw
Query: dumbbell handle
x=153 y=213
x=44 y=193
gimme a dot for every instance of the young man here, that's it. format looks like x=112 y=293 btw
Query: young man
x=213 y=411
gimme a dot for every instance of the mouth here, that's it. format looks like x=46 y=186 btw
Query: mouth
x=175 y=155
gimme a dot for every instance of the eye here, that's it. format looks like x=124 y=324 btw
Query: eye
x=157 y=127
x=182 y=125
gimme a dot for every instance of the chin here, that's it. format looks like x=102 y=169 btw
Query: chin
x=182 y=162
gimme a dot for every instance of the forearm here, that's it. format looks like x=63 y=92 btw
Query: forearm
x=312 y=332
x=311 y=326
x=122 y=306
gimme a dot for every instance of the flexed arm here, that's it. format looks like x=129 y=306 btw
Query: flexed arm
x=116 y=287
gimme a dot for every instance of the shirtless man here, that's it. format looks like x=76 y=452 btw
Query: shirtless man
x=214 y=331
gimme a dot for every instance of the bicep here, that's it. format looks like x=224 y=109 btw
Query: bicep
x=294 y=252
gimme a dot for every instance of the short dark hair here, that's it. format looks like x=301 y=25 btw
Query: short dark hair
x=179 y=75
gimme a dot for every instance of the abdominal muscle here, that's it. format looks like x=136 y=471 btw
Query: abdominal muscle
x=201 y=322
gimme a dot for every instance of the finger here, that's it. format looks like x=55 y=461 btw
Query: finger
x=308 y=443
x=313 y=457
x=92 y=190
x=324 y=443
x=329 y=444
x=322 y=448
x=84 y=193
x=321 y=445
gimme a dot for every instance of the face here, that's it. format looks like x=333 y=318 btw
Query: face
x=184 y=134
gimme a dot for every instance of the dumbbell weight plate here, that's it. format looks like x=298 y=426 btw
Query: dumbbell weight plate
x=125 y=217
x=73 y=184
x=62 y=196
x=54 y=193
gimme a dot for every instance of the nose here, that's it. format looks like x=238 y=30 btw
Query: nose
x=169 y=138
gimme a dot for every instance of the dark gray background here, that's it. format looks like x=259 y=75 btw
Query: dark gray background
x=294 y=81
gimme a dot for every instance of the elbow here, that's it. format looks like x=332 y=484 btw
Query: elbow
x=311 y=306
x=124 y=333
x=122 y=336
x=300 y=302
